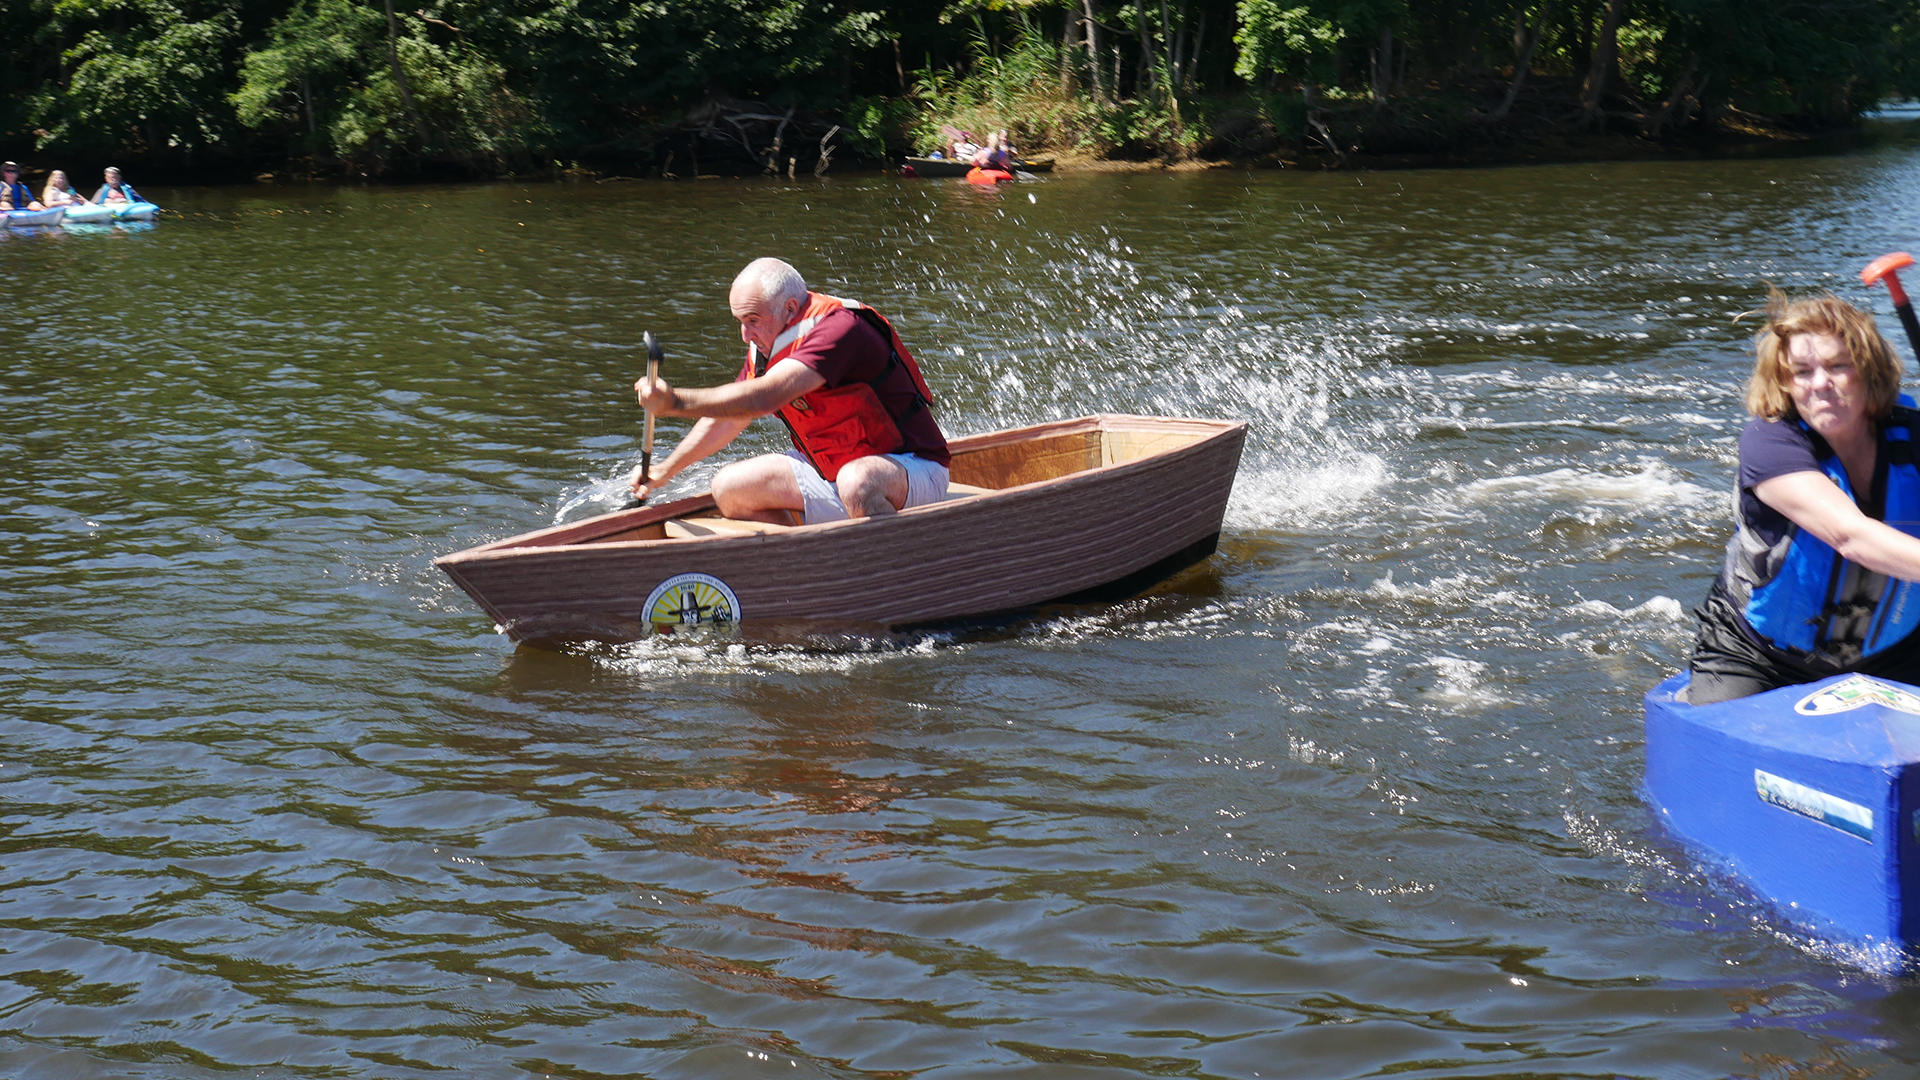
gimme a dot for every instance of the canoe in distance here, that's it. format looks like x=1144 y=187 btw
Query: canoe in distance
x=1089 y=509
x=1810 y=793
x=938 y=167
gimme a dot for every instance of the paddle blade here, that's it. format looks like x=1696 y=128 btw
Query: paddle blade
x=1885 y=266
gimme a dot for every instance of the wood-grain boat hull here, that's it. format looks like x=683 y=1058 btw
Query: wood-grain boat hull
x=1127 y=496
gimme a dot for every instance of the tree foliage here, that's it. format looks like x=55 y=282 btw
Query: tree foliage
x=369 y=83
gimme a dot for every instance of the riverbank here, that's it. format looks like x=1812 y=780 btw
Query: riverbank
x=1545 y=148
x=1442 y=127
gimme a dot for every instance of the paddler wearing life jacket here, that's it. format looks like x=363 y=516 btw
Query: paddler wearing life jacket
x=1819 y=576
x=860 y=414
x=115 y=189
x=15 y=195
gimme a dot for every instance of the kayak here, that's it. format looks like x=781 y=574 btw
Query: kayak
x=139 y=211
x=1810 y=793
x=989 y=176
x=88 y=214
x=938 y=167
x=1084 y=510
x=17 y=218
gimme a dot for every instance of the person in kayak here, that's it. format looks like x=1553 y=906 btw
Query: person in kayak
x=116 y=189
x=59 y=191
x=1820 y=574
x=997 y=154
x=14 y=194
x=852 y=397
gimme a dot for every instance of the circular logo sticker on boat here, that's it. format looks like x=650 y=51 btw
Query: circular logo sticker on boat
x=691 y=600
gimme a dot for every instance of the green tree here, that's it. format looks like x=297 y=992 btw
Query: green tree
x=144 y=74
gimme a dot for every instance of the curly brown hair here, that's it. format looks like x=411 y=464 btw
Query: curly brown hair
x=1768 y=396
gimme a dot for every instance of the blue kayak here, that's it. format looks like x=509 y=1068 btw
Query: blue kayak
x=88 y=214
x=138 y=211
x=1811 y=793
x=17 y=218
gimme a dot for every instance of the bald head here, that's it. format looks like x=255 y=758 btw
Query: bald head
x=767 y=297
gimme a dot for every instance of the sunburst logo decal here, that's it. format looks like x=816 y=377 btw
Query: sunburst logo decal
x=688 y=600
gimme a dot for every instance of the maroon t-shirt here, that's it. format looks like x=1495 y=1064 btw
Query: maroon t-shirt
x=844 y=348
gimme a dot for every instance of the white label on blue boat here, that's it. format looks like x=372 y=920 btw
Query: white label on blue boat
x=691 y=600
x=1852 y=693
x=1826 y=809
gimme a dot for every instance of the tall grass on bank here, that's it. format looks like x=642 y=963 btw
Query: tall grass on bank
x=1033 y=91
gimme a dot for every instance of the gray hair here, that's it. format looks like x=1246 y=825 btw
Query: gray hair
x=776 y=282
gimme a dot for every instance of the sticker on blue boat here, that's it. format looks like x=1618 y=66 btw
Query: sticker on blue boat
x=1856 y=692
x=1848 y=817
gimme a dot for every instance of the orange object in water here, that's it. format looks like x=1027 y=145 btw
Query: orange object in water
x=988 y=176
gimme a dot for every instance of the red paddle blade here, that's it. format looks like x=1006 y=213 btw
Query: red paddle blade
x=1884 y=266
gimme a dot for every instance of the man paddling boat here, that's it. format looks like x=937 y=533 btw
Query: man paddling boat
x=852 y=397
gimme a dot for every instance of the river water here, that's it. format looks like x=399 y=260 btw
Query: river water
x=1358 y=796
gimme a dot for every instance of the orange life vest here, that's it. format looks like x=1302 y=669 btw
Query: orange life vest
x=835 y=426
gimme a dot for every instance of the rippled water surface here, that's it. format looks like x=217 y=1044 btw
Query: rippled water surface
x=1357 y=797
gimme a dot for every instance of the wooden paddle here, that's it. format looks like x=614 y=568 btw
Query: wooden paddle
x=1888 y=267
x=654 y=356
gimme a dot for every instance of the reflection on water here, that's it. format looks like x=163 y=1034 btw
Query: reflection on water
x=1356 y=796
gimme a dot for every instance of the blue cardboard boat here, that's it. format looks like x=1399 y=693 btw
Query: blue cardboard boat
x=1811 y=793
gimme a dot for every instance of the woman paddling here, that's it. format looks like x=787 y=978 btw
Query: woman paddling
x=1818 y=576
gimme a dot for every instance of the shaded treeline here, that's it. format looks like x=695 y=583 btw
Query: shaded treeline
x=382 y=86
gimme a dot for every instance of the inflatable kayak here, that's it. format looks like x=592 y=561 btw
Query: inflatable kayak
x=988 y=176
x=1811 y=793
x=135 y=211
x=88 y=214
x=36 y=217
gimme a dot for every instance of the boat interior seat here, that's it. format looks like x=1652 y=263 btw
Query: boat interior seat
x=687 y=528
x=963 y=491
x=690 y=527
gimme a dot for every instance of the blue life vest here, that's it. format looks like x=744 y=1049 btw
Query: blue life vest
x=19 y=197
x=1803 y=599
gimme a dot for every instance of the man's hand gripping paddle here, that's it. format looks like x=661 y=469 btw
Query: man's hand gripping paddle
x=654 y=357
x=1888 y=267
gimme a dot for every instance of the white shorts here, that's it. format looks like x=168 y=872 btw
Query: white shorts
x=926 y=483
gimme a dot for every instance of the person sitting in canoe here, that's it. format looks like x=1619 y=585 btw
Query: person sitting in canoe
x=852 y=397
x=997 y=154
x=116 y=189
x=14 y=194
x=59 y=191
x=1819 y=576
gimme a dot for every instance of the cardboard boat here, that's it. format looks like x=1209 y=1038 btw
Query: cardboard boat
x=938 y=167
x=1811 y=793
x=1090 y=509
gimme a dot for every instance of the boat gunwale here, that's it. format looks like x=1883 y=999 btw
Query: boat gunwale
x=547 y=542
